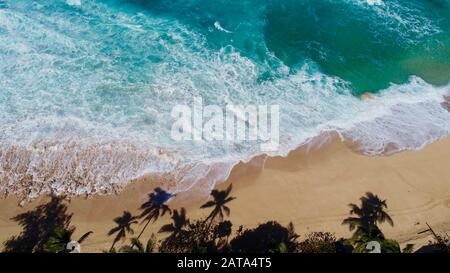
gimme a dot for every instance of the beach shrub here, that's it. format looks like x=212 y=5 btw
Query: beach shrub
x=318 y=242
x=440 y=244
x=200 y=236
x=268 y=237
x=223 y=229
x=57 y=243
x=409 y=248
x=386 y=245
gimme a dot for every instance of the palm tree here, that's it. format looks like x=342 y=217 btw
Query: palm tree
x=179 y=221
x=61 y=237
x=371 y=212
x=155 y=207
x=220 y=199
x=123 y=227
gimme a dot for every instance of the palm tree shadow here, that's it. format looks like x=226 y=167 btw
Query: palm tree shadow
x=154 y=207
x=367 y=216
x=220 y=198
x=123 y=227
x=38 y=226
x=179 y=219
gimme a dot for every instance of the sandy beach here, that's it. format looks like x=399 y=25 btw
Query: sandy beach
x=310 y=187
x=104 y=102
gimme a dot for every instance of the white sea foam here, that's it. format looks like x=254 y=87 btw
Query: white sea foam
x=82 y=116
x=405 y=20
x=219 y=27
x=74 y=2
x=405 y=121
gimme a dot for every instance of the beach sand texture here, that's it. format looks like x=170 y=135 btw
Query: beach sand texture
x=311 y=188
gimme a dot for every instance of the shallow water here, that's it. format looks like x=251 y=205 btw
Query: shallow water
x=87 y=86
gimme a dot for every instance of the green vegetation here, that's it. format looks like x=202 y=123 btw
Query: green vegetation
x=318 y=242
x=57 y=243
x=47 y=229
x=365 y=222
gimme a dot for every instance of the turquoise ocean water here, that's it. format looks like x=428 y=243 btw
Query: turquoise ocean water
x=87 y=86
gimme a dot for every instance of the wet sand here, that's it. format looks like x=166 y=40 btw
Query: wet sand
x=311 y=187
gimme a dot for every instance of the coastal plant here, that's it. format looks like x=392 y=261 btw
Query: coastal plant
x=365 y=222
x=318 y=242
x=220 y=199
x=123 y=227
x=386 y=245
x=292 y=235
x=441 y=243
x=270 y=237
x=409 y=248
x=223 y=229
x=154 y=207
x=57 y=243
x=222 y=232
x=198 y=237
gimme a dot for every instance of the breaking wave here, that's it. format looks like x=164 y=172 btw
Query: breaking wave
x=87 y=86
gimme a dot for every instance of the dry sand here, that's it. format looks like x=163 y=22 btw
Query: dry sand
x=311 y=188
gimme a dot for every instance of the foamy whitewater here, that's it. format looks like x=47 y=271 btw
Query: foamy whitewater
x=87 y=86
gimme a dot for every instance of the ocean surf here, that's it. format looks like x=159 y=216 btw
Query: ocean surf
x=87 y=87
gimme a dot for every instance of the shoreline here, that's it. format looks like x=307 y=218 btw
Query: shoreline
x=84 y=183
x=310 y=187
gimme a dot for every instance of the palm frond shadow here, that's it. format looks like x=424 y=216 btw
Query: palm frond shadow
x=220 y=199
x=122 y=228
x=155 y=207
x=38 y=226
x=368 y=215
